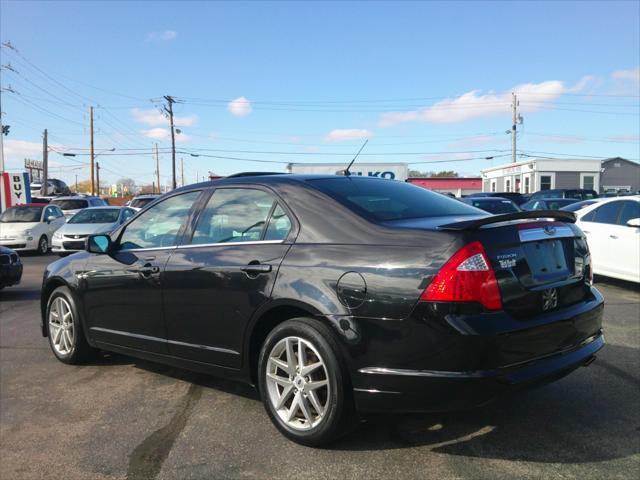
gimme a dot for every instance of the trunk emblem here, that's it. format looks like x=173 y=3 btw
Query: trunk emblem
x=549 y=230
x=549 y=299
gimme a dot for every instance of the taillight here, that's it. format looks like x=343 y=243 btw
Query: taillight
x=466 y=277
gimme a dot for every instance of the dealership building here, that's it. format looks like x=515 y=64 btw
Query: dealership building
x=542 y=174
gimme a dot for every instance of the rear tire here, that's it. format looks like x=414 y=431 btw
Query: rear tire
x=303 y=384
x=64 y=328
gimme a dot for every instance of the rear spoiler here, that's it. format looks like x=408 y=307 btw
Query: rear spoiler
x=479 y=222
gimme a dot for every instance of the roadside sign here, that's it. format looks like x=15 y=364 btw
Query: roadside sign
x=14 y=189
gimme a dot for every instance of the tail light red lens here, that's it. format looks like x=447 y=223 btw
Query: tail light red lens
x=466 y=277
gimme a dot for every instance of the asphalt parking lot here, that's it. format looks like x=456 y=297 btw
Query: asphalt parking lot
x=125 y=418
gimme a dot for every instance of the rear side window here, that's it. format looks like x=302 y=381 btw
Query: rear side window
x=234 y=215
x=629 y=211
x=607 y=213
x=381 y=200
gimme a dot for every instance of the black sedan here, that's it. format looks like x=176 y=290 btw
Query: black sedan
x=548 y=203
x=333 y=295
x=493 y=205
x=10 y=267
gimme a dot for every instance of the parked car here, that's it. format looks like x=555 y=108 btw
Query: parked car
x=10 y=267
x=72 y=205
x=576 y=193
x=71 y=236
x=333 y=294
x=56 y=187
x=140 y=201
x=548 y=203
x=30 y=226
x=515 y=197
x=612 y=227
x=493 y=204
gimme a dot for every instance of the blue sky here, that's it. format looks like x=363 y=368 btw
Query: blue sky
x=309 y=81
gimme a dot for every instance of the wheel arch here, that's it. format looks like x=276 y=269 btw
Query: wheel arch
x=267 y=318
x=47 y=289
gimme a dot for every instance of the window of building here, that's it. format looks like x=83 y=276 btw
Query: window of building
x=545 y=182
x=526 y=185
x=493 y=185
x=588 y=182
x=507 y=187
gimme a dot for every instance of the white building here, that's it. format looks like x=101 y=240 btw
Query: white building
x=542 y=174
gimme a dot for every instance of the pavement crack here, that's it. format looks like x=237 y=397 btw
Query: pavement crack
x=147 y=458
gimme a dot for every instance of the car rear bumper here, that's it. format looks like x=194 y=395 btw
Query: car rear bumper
x=429 y=390
x=471 y=367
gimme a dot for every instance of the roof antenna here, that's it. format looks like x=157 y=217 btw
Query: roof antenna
x=346 y=171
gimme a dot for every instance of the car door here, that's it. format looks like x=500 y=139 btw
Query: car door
x=224 y=272
x=598 y=226
x=122 y=291
x=626 y=242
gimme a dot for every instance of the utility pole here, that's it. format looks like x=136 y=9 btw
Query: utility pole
x=93 y=188
x=45 y=165
x=157 y=170
x=182 y=171
x=515 y=119
x=169 y=110
x=76 y=183
x=98 y=177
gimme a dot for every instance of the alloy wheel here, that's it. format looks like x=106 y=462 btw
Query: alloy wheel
x=44 y=245
x=61 y=326
x=297 y=383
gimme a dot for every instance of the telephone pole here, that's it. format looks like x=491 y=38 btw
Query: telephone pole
x=45 y=165
x=98 y=177
x=157 y=170
x=93 y=188
x=182 y=171
x=169 y=110
x=515 y=119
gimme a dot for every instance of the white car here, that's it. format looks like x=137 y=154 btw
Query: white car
x=90 y=221
x=140 y=201
x=30 y=226
x=72 y=205
x=612 y=227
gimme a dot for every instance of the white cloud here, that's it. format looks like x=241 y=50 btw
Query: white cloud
x=153 y=118
x=475 y=104
x=164 y=134
x=624 y=138
x=240 y=107
x=631 y=75
x=346 y=134
x=15 y=151
x=164 y=36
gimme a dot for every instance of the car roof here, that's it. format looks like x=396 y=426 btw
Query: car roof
x=73 y=197
x=489 y=199
x=552 y=199
x=105 y=207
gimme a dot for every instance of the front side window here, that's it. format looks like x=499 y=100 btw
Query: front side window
x=127 y=213
x=159 y=226
x=545 y=182
x=630 y=210
x=237 y=215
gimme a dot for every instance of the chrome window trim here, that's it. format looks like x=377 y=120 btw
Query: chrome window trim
x=255 y=242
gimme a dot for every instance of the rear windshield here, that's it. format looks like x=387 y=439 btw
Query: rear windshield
x=96 y=215
x=496 y=206
x=70 y=204
x=21 y=215
x=389 y=199
x=140 y=202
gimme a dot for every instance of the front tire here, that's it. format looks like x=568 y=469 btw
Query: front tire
x=303 y=384
x=64 y=328
x=43 y=245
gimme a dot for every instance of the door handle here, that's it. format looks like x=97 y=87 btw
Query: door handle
x=586 y=231
x=615 y=237
x=256 y=268
x=148 y=270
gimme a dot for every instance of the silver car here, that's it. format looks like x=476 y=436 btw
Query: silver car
x=72 y=205
x=71 y=236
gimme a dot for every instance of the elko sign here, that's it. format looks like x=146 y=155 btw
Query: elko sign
x=14 y=189
x=390 y=171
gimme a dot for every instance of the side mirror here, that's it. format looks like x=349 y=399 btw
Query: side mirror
x=51 y=218
x=98 y=244
x=634 y=222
